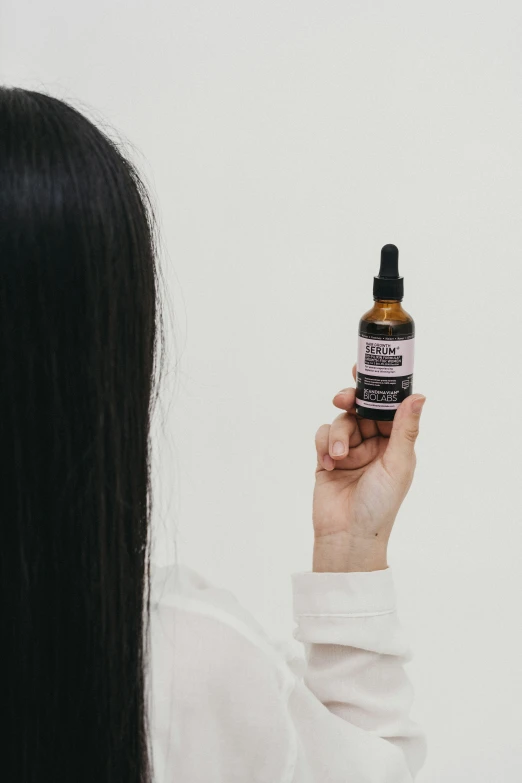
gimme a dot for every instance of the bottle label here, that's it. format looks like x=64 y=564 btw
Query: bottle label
x=384 y=370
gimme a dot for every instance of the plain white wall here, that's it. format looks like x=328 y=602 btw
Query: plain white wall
x=285 y=142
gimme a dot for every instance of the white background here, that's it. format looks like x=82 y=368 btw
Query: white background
x=285 y=142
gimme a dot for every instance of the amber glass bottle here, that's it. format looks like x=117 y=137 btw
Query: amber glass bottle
x=386 y=345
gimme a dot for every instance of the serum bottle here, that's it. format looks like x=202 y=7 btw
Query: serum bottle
x=386 y=345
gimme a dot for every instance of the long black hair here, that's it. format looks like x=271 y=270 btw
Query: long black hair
x=79 y=329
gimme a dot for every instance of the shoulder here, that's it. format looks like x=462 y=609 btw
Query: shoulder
x=184 y=589
x=216 y=679
x=185 y=604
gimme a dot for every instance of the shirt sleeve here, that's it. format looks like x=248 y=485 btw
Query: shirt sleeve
x=356 y=653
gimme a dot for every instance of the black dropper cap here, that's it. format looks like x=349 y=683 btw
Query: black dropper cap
x=388 y=285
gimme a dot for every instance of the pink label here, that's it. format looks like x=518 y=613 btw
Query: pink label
x=385 y=358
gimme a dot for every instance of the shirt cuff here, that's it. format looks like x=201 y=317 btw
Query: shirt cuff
x=358 y=594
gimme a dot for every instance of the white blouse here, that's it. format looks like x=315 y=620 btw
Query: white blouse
x=229 y=707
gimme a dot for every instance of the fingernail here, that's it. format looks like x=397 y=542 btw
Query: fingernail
x=328 y=462
x=417 y=405
x=338 y=449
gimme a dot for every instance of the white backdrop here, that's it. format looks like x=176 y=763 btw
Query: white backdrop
x=285 y=142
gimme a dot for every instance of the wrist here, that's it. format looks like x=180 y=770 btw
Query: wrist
x=342 y=553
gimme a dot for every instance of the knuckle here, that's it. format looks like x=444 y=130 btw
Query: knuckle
x=410 y=433
x=322 y=433
x=338 y=422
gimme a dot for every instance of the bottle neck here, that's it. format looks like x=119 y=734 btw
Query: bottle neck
x=388 y=309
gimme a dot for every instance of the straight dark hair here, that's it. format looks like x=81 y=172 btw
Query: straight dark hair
x=79 y=328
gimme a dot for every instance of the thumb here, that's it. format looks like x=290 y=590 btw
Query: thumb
x=400 y=453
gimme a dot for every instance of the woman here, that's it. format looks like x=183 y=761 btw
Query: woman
x=92 y=691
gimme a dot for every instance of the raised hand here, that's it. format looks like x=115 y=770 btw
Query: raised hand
x=364 y=471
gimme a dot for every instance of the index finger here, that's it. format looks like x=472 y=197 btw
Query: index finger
x=345 y=400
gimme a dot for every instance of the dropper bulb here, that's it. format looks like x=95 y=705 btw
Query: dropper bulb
x=389 y=262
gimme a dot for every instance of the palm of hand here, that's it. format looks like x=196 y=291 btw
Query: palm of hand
x=360 y=497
